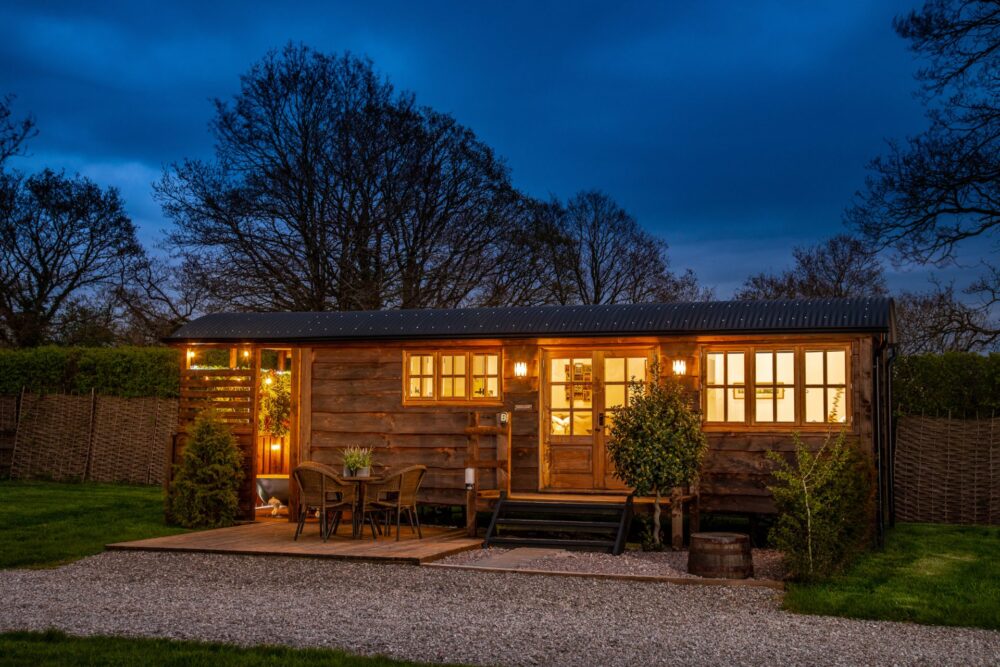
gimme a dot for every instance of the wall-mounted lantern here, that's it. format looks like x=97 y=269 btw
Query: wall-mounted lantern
x=520 y=369
x=680 y=367
x=470 y=478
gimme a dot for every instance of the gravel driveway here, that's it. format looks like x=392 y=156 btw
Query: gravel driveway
x=438 y=615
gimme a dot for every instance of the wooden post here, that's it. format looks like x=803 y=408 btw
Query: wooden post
x=90 y=434
x=694 y=509
x=677 y=518
x=471 y=458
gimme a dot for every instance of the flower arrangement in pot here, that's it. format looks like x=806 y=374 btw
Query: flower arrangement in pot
x=357 y=461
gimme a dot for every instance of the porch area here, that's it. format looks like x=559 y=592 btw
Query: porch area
x=274 y=538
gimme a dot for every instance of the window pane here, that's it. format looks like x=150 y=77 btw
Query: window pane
x=764 y=407
x=560 y=423
x=786 y=404
x=714 y=370
x=814 y=368
x=492 y=388
x=583 y=370
x=815 y=411
x=427 y=365
x=478 y=364
x=786 y=368
x=614 y=395
x=414 y=365
x=446 y=386
x=637 y=368
x=764 y=371
x=836 y=367
x=734 y=368
x=582 y=396
x=479 y=387
x=737 y=404
x=446 y=364
x=560 y=370
x=559 y=396
x=492 y=363
x=415 y=387
x=428 y=387
x=836 y=411
x=614 y=370
x=583 y=422
x=459 y=387
x=714 y=410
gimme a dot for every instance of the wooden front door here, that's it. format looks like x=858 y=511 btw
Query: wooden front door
x=580 y=387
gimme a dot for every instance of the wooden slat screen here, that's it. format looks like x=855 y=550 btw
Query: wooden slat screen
x=229 y=392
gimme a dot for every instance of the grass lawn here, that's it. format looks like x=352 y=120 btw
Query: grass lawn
x=45 y=524
x=54 y=648
x=936 y=574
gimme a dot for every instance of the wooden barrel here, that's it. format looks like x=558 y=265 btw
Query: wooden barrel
x=720 y=555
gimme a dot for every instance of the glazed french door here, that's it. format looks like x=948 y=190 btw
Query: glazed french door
x=580 y=389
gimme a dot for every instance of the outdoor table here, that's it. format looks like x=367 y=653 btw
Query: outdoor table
x=362 y=483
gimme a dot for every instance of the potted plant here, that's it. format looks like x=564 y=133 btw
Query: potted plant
x=357 y=461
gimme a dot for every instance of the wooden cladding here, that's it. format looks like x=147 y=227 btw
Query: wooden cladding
x=228 y=392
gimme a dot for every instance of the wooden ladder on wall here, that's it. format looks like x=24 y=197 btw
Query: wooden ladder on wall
x=502 y=431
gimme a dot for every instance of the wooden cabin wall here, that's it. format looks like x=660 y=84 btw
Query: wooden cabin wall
x=355 y=398
x=737 y=470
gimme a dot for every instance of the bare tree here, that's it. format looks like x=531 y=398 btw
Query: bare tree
x=842 y=266
x=156 y=298
x=936 y=321
x=597 y=253
x=64 y=243
x=331 y=191
x=13 y=133
x=933 y=191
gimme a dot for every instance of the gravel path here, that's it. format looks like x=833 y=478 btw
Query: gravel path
x=766 y=562
x=439 y=615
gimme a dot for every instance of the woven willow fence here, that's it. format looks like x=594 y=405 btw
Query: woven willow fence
x=948 y=470
x=98 y=438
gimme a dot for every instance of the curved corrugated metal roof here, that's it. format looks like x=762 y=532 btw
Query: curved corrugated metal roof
x=805 y=315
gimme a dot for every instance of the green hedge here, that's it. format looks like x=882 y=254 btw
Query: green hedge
x=114 y=371
x=963 y=384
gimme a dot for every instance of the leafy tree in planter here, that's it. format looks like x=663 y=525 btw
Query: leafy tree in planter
x=656 y=440
x=205 y=492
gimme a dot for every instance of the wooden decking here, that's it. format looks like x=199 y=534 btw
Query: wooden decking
x=274 y=538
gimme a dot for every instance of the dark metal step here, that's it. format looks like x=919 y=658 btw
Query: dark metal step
x=574 y=508
x=569 y=524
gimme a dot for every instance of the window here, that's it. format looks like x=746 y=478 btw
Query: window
x=774 y=386
x=485 y=376
x=451 y=376
x=618 y=372
x=572 y=395
x=795 y=385
x=826 y=386
x=421 y=376
x=725 y=387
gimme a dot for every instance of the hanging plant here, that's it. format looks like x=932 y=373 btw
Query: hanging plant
x=275 y=403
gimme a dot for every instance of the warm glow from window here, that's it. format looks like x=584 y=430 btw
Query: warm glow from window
x=725 y=387
x=452 y=376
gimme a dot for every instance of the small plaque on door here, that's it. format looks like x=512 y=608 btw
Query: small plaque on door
x=523 y=406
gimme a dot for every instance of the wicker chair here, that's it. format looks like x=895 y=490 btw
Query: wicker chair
x=321 y=489
x=394 y=495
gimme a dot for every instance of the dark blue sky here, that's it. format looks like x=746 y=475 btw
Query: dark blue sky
x=734 y=130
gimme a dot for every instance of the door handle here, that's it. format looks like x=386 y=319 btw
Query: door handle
x=600 y=419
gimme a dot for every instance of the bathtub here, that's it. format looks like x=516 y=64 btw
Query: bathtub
x=272 y=486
